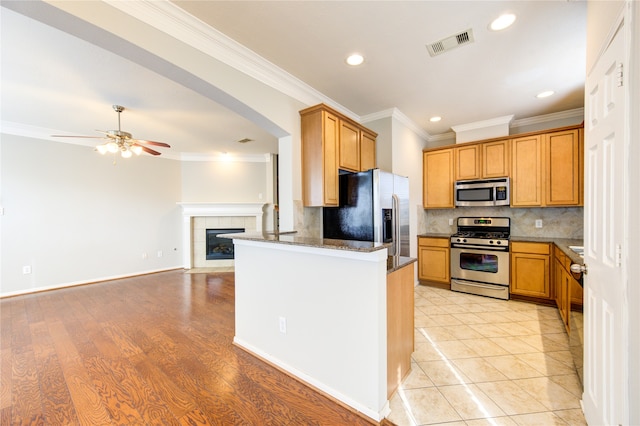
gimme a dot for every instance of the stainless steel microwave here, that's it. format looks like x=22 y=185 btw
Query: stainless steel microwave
x=486 y=192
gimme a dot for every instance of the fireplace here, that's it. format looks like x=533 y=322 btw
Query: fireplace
x=220 y=248
x=225 y=217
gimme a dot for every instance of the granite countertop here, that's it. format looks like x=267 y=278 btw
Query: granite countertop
x=398 y=262
x=562 y=243
x=292 y=238
x=435 y=235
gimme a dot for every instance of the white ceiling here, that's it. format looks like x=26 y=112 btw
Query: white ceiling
x=55 y=82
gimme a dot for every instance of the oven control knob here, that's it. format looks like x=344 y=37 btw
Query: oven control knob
x=498 y=242
x=464 y=240
x=490 y=241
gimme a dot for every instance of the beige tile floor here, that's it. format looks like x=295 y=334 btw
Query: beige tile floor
x=483 y=361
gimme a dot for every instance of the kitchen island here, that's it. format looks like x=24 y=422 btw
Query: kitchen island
x=318 y=309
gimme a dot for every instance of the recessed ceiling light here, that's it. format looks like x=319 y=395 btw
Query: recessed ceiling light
x=545 y=94
x=355 y=59
x=503 y=21
x=435 y=119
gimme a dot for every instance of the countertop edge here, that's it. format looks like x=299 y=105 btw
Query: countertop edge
x=291 y=238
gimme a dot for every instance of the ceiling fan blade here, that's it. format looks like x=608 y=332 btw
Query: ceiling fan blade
x=148 y=150
x=166 y=145
x=77 y=136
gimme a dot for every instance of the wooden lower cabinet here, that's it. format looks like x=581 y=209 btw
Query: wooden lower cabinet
x=400 y=327
x=562 y=283
x=568 y=291
x=433 y=260
x=530 y=270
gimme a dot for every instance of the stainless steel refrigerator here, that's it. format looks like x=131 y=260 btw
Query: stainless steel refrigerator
x=374 y=206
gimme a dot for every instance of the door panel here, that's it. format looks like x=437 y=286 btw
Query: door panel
x=604 y=310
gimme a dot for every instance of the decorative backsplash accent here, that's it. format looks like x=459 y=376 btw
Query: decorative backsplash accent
x=558 y=222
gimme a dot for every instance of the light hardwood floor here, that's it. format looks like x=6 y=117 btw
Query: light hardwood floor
x=149 y=350
x=157 y=349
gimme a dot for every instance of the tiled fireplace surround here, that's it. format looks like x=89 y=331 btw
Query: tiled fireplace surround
x=198 y=217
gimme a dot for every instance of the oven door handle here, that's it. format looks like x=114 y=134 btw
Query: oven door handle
x=474 y=247
x=490 y=287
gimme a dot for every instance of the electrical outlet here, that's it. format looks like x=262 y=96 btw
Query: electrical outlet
x=538 y=223
x=450 y=222
x=26 y=269
x=144 y=255
x=159 y=253
x=282 y=323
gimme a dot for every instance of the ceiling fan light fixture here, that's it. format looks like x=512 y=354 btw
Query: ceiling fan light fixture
x=136 y=149
x=112 y=147
x=125 y=153
x=102 y=149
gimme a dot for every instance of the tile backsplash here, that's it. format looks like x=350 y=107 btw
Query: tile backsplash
x=558 y=222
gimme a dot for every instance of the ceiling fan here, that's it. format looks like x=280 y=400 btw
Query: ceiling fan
x=121 y=141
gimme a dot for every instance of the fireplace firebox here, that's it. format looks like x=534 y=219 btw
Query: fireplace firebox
x=220 y=248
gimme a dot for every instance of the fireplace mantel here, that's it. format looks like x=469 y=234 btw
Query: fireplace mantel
x=203 y=209
x=222 y=209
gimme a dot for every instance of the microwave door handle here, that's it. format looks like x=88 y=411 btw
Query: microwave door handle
x=395 y=233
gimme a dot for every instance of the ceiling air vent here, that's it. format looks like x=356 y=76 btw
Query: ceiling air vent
x=450 y=42
x=245 y=140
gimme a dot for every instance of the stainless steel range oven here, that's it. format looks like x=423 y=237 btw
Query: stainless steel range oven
x=480 y=256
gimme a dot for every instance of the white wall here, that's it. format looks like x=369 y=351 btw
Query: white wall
x=74 y=217
x=224 y=182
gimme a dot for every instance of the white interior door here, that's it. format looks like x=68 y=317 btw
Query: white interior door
x=605 y=305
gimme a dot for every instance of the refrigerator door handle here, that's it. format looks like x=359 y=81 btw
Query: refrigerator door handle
x=396 y=224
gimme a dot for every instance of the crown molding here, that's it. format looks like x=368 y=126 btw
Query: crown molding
x=221 y=158
x=42 y=133
x=165 y=16
x=396 y=114
x=498 y=121
x=562 y=115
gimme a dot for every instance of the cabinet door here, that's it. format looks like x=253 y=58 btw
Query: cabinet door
x=496 y=159
x=561 y=281
x=433 y=261
x=367 y=151
x=349 y=147
x=562 y=160
x=576 y=293
x=438 y=179
x=319 y=158
x=530 y=275
x=330 y=161
x=526 y=171
x=467 y=162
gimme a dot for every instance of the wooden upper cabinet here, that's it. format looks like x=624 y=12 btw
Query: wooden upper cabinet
x=438 y=178
x=320 y=135
x=467 y=162
x=563 y=158
x=527 y=169
x=367 y=151
x=483 y=160
x=330 y=141
x=349 y=158
x=496 y=159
